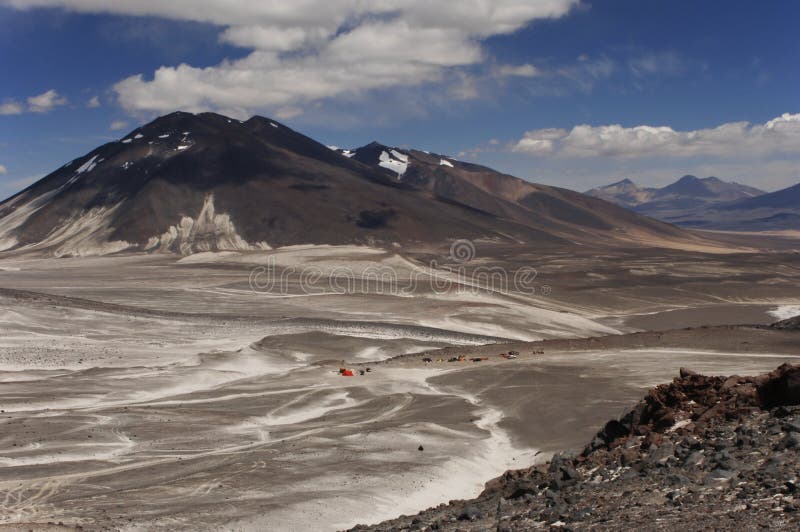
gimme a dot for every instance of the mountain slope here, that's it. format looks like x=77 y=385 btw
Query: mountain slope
x=625 y=193
x=568 y=214
x=778 y=210
x=784 y=198
x=186 y=183
x=708 y=188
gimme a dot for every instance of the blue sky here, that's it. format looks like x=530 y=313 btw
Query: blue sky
x=556 y=91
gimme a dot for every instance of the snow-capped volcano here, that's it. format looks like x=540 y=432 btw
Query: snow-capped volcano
x=185 y=183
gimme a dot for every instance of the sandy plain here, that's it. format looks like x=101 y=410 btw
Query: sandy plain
x=155 y=392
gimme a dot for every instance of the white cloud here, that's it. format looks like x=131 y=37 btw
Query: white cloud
x=45 y=102
x=654 y=63
x=117 y=125
x=464 y=87
x=40 y=103
x=524 y=71
x=285 y=113
x=311 y=50
x=273 y=38
x=93 y=102
x=11 y=107
x=3 y=170
x=779 y=135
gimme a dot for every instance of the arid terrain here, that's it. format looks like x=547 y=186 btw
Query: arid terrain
x=399 y=265
x=159 y=392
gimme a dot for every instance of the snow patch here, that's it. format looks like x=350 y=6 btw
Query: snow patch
x=164 y=136
x=184 y=147
x=209 y=232
x=348 y=153
x=784 y=312
x=126 y=141
x=88 y=166
x=273 y=124
x=138 y=136
x=400 y=156
x=445 y=162
x=393 y=162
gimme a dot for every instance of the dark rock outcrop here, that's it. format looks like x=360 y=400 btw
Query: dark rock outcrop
x=790 y=324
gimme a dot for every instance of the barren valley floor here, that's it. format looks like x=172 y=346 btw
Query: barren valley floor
x=154 y=392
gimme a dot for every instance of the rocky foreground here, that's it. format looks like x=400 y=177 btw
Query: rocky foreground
x=698 y=453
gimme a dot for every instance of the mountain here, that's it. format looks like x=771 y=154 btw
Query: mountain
x=625 y=193
x=769 y=212
x=186 y=183
x=711 y=189
x=785 y=198
x=568 y=214
x=683 y=202
x=688 y=191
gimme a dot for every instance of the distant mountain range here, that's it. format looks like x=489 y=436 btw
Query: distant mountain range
x=687 y=192
x=709 y=203
x=186 y=183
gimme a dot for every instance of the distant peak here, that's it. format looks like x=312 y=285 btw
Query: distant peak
x=688 y=178
x=258 y=119
x=625 y=181
x=180 y=119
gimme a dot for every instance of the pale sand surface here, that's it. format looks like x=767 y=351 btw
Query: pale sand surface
x=177 y=398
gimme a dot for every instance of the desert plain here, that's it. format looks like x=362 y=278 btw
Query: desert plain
x=165 y=392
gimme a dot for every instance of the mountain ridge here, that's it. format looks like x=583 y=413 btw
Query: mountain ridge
x=185 y=183
x=688 y=187
x=709 y=203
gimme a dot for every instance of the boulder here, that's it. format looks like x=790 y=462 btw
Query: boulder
x=470 y=513
x=781 y=388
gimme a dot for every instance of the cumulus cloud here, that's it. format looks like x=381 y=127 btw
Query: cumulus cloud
x=45 y=102
x=311 y=50
x=40 y=103
x=117 y=125
x=3 y=170
x=779 y=135
x=93 y=102
x=11 y=107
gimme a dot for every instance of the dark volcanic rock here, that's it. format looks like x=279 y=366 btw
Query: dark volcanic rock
x=781 y=387
x=791 y=324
